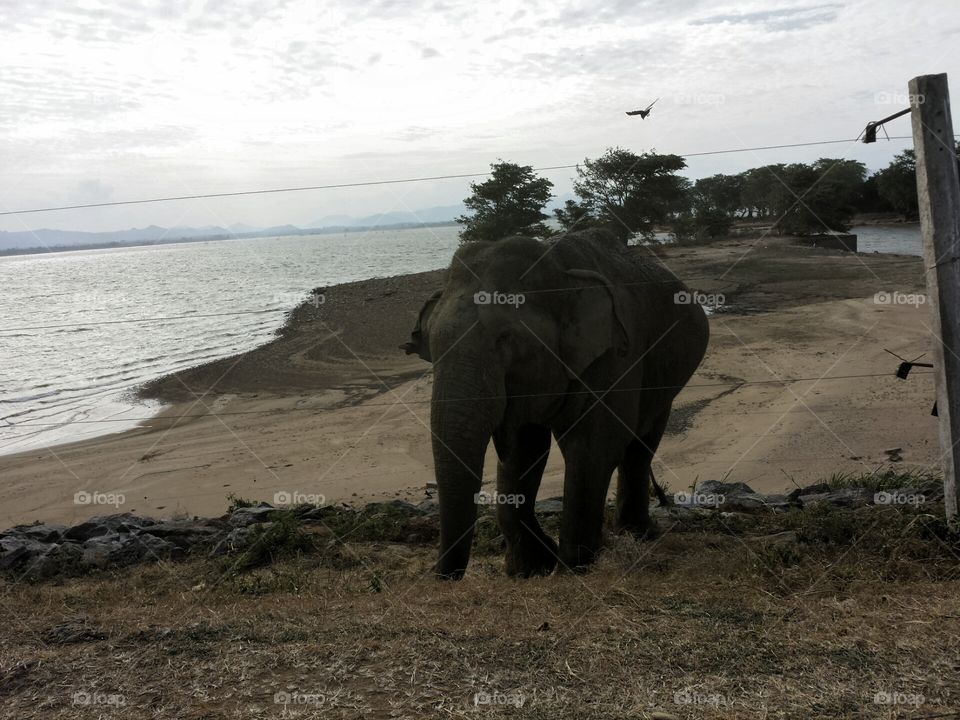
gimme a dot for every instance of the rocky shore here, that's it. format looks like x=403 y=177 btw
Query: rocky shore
x=43 y=550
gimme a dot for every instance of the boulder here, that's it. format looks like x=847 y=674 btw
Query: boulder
x=236 y=540
x=16 y=552
x=183 y=533
x=106 y=524
x=38 y=531
x=244 y=517
x=844 y=498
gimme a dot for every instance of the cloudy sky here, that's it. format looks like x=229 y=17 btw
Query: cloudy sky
x=124 y=100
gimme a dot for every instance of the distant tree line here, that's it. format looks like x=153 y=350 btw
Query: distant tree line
x=631 y=195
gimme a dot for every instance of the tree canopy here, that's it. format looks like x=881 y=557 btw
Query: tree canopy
x=510 y=202
x=629 y=193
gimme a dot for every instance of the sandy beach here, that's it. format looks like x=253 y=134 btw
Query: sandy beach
x=332 y=407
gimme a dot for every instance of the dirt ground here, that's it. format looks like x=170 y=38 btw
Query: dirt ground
x=789 y=616
x=334 y=408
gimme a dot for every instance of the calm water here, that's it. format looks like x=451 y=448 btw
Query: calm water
x=899 y=239
x=55 y=381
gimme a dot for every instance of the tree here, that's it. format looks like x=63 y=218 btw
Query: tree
x=897 y=184
x=803 y=199
x=758 y=189
x=511 y=202
x=715 y=201
x=573 y=216
x=628 y=193
x=720 y=192
x=840 y=187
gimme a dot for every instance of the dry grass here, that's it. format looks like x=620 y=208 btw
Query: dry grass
x=804 y=615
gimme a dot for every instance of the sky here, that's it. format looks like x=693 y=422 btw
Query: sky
x=124 y=100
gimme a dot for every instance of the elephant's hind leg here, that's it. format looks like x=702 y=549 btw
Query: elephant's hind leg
x=530 y=551
x=634 y=479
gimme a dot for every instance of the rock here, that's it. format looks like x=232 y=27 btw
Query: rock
x=243 y=517
x=118 y=549
x=736 y=497
x=97 y=550
x=236 y=540
x=59 y=560
x=38 y=531
x=429 y=506
x=319 y=514
x=817 y=489
x=716 y=487
x=844 y=498
x=105 y=524
x=393 y=507
x=148 y=546
x=182 y=533
x=15 y=552
x=550 y=506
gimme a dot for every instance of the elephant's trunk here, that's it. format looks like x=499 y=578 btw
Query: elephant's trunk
x=465 y=409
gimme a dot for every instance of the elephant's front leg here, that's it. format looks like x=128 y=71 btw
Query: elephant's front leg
x=530 y=551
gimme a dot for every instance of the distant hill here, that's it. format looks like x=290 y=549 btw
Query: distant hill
x=46 y=239
x=74 y=238
x=69 y=239
x=444 y=213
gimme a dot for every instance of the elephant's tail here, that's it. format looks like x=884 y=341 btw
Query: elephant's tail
x=661 y=495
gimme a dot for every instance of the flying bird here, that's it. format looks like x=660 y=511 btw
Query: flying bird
x=643 y=113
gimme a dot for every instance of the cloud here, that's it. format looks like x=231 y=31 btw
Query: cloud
x=798 y=18
x=148 y=96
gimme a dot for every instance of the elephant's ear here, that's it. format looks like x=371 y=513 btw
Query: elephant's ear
x=596 y=322
x=420 y=335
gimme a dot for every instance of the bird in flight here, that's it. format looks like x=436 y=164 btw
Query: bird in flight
x=643 y=113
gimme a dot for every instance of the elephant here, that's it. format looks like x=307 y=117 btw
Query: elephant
x=578 y=338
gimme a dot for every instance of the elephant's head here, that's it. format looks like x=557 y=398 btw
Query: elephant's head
x=515 y=322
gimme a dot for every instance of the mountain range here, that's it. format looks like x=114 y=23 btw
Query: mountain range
x=47 y=239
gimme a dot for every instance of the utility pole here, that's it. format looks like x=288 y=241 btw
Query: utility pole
x=938 y=189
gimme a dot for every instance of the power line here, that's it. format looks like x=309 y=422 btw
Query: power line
x=369 y=183
x=596 y=391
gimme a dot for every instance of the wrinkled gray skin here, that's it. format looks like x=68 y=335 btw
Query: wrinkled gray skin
x=597 y=325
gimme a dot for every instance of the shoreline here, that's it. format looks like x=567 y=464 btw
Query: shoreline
x=332 y=406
